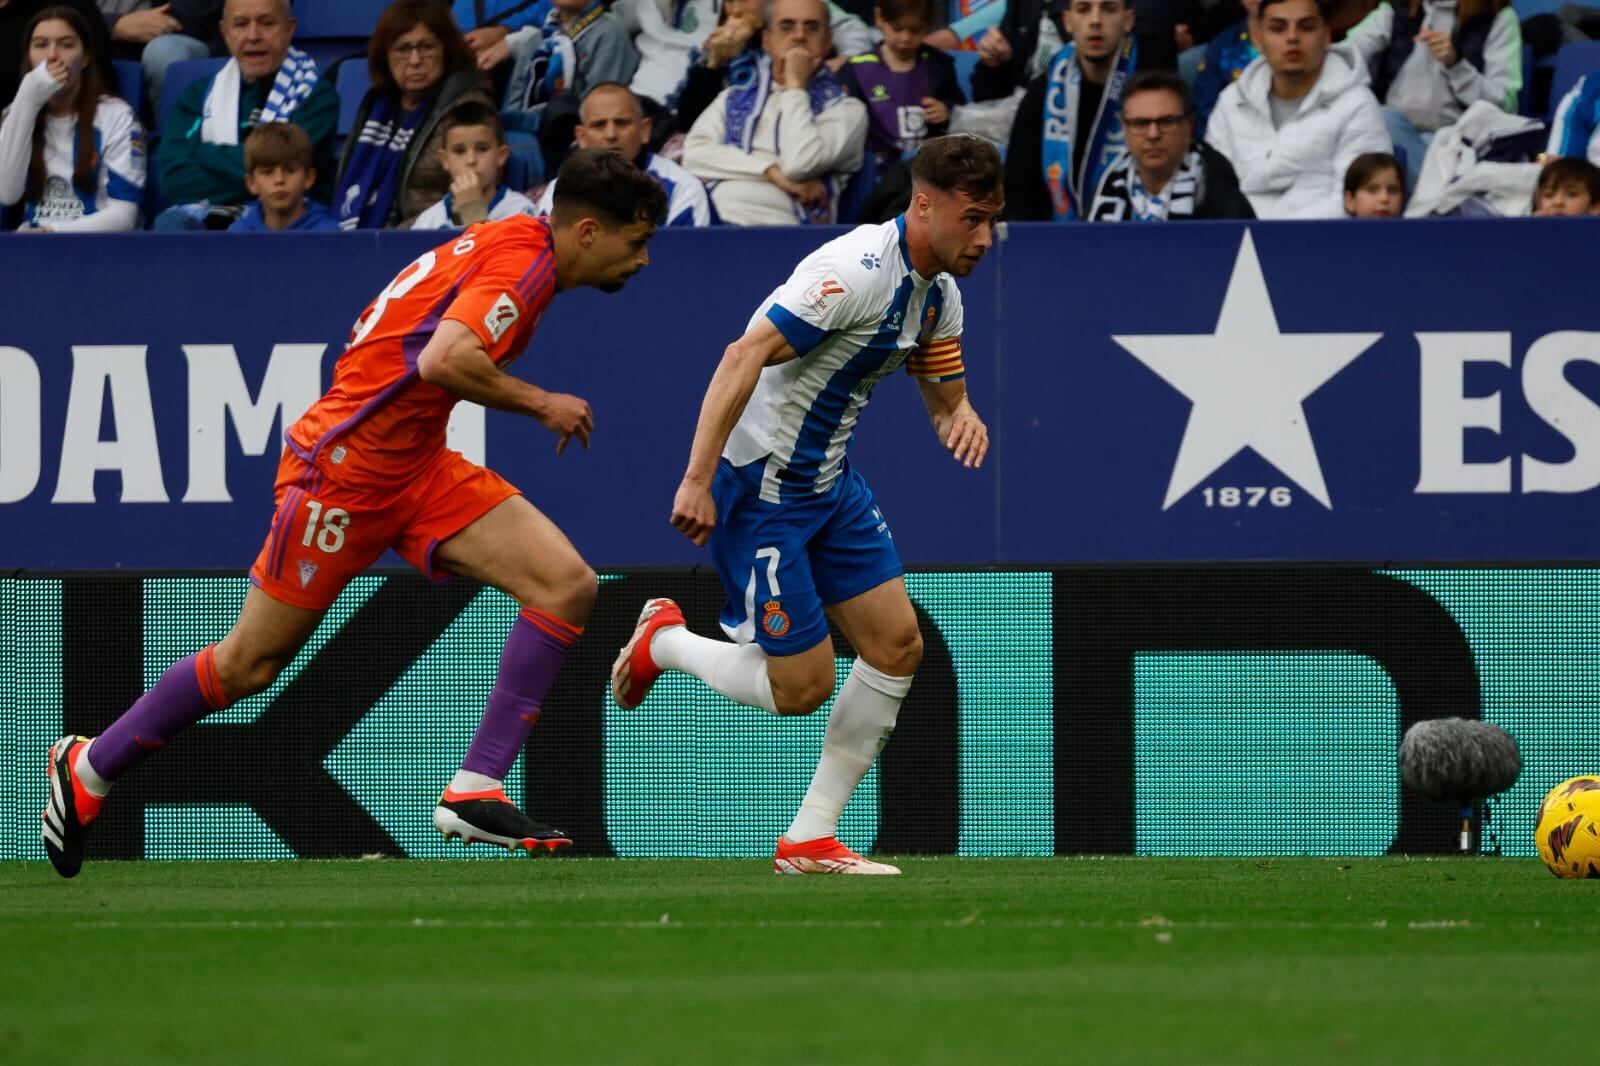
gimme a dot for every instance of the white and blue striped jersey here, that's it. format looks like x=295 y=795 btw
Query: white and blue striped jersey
x=687 y=202
x=1575 y=128
x=853 y=311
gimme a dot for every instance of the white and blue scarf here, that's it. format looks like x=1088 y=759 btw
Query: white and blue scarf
x=549 y=70
x=1066 y=178
x=371 y=179
x=219 y=119
x=749 y=86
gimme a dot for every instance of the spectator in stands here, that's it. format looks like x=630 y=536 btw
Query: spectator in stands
x=908 y=87
x=14 y=18
x=161 y=34
x=1016 y=51
x=734 y=46
x=474 y=155
x=1374 y=187
x=268 y=80
x=69 y=151
x=1226 y=57
x=279 y=172
x=421 y=70
x=1068 y=127
x=1165 y=175
x=488 y=23
x=1568 y=187
x=581 y=44
x=614 y=120
x=1298 y=117
x=667 y=32
x=1432 y=59
x=778 y=149
x=1575 y=130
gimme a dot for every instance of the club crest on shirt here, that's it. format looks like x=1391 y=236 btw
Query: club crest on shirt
x=501 y=317
x=825 y=293
x=308 y=570
x=930 y=319
x=775 y=622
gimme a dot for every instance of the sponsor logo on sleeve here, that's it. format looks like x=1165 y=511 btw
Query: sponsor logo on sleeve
x=501 y=317
x=826 y=293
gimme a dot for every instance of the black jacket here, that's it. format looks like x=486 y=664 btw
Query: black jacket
x=1021 y=29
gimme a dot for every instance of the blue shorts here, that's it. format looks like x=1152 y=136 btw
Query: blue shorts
x=781 y=562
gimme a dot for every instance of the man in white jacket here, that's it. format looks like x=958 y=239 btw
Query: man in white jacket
x=777 y=148
x=1298 y=116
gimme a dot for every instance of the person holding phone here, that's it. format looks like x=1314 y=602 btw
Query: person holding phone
x=70 y=153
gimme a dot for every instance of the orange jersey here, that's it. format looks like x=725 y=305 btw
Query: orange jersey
x=380 y=424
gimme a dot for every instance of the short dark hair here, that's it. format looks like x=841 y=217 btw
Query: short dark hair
x=1365 y=167
x=1570 y=169
x=1261 y=11
x=602 y=184
x=1149 y=81
x=277 y=144
x=472 y=113
x=894 y=10
x=959 y=161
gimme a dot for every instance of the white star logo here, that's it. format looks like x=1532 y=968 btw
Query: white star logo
x=1247 y=382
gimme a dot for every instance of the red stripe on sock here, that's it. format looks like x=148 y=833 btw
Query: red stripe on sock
x=562 y=630
x=205 y=667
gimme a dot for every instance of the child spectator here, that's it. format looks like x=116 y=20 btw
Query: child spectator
x=279 y=174
x=908 y=87
x=474 y=154
x=1374 y=187
x=1568 y=188
x=69 y=151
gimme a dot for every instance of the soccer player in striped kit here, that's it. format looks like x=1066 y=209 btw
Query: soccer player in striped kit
x=793 y=529
x=367 y=469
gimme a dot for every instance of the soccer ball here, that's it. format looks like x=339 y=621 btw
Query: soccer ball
x=1568 y=832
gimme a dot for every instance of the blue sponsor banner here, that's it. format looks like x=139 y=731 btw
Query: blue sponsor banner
x=1317 y=391
x=1417 y=391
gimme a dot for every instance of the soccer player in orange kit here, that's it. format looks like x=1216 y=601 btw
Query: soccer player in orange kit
x=367 y=469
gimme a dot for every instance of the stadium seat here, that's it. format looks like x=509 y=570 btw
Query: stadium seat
x=966 y=62
x=130 y=82
x=179 y=76
x=1572 y=63
x=322 y=19
x=352 y=81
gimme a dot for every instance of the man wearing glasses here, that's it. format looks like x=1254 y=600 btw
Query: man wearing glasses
x=1165 y=175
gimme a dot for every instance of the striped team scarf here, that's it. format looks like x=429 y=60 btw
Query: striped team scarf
x=219 y=119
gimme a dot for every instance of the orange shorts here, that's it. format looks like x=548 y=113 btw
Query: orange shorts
x=323 y=534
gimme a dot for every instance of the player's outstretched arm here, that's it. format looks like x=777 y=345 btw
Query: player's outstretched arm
x=693 y=513
x=455 y=361
x=960 y=429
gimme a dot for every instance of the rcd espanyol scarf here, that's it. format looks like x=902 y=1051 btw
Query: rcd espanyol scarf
x=1065 y=178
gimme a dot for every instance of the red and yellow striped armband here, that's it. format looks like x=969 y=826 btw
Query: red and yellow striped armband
x=939 y=361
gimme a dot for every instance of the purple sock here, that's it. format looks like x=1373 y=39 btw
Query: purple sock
x=533 y=655
x=178 y=700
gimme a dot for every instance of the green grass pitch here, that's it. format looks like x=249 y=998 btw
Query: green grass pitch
x=959 y=961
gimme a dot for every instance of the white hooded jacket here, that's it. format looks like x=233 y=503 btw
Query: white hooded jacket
x=1298 y=171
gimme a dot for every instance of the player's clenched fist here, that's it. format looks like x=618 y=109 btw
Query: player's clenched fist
x=568 y=417
x=693 y=513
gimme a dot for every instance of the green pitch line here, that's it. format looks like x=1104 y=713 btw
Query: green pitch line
x=960 y=961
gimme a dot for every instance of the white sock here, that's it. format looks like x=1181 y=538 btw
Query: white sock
x=858 y=727
x=467 y=781
x=92 y=782
x=738 y=671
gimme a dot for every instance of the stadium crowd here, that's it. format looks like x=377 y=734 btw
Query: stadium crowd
x=777 y=112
